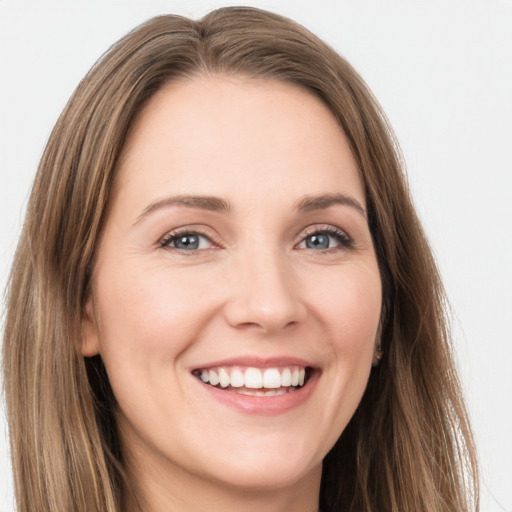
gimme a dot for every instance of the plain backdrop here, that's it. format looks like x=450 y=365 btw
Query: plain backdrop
x=442 y=69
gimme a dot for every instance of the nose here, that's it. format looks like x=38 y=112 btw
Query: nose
x=264 y=293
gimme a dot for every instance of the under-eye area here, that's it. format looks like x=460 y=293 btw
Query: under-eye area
x=253 y=381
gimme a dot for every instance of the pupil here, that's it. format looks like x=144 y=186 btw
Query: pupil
x=317 y=242
x=187 y=242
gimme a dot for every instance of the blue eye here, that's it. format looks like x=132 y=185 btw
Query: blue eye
x=325 y=239
x=187 y=241
x=318 y=241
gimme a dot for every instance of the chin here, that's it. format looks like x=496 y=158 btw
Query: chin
x=273 y=463
x=266 y=475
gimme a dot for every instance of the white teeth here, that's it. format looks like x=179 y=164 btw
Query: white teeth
x=286 y=377
x=271 y=381
x=253 y=378
x=237 y=378
x=224 y=378
x=259 y=392
x=272 y=378
x=213 y=377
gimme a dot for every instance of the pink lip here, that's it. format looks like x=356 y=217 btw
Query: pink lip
x=256 y=362
x=261 y=405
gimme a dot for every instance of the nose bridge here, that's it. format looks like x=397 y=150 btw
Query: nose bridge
x=264 y=291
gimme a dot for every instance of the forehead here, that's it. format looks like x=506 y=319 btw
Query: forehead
x=234 y=136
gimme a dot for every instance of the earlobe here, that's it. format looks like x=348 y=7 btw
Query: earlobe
x=378 y=352
x=90 y=341
x=377 y=355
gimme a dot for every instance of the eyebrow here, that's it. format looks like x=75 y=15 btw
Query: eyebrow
x=210 y=203
x=323 y=201
x=219 y=205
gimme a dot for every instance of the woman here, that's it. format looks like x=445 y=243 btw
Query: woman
x=222 y=297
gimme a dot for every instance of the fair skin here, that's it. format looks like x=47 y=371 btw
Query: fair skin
x=236 y=241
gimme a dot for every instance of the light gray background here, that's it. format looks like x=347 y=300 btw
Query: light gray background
x=442 y=70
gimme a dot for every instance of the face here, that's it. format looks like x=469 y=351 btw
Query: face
x=236 y=295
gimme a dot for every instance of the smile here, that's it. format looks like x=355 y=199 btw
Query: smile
x=252 y=381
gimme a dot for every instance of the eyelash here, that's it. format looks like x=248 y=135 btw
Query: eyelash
x=344 y=240
x=174 y=235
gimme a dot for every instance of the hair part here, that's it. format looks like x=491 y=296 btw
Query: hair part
x=409 y=444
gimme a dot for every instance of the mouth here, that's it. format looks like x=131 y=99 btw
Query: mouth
x=254 y=381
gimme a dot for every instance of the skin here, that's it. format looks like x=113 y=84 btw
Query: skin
x=252 y=288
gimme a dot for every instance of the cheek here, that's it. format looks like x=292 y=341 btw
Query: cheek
x=147 y=319
x=349 y=306
x=150 y=312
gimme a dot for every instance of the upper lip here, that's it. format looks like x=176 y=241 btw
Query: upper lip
x=255 y=362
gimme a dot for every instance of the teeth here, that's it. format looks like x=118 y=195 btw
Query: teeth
x=271 y=381
x=270 y=392
x=272 y=378
x=224 y=378
x=237 y=378
x=251 y=393
x=213 y=377
x=286 y=377
x=302 y=376
x=253 y=378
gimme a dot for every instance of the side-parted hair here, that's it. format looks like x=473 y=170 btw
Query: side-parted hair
x=409 y=445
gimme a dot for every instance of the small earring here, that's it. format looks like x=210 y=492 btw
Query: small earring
x=377 y=356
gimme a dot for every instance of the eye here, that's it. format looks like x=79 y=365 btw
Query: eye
x=324 y=239
x=187 y=241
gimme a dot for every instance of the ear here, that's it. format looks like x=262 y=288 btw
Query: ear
x=90 y=345
x=377 y=351
x=377 y=355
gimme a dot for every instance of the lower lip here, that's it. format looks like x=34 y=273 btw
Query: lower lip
x=263 y=405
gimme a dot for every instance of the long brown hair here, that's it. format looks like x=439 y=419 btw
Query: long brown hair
x=409 y=445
